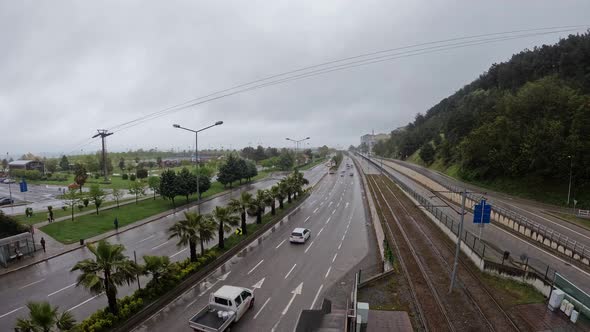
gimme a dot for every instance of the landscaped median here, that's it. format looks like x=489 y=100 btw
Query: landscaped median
x=134 y=309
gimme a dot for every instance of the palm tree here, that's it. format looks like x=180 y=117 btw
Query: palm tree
x=258 y=205
x=269 y=200
x=109 y=268
x=187 y=232
x=43 y=317
x=240 y=205
x=298 y=181
x=207 y=229
x=289 y=187
x=158 y=267
x=223 y=217
x=282 y=193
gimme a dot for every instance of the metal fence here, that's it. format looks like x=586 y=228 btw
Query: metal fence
x=484 y=251
x=540 y=233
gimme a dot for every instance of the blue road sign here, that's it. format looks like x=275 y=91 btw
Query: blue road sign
x=23 y=186
x=482 y=212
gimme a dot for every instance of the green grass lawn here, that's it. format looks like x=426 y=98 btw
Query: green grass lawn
x=87 y=226
x=312 y=164
x=570 y=217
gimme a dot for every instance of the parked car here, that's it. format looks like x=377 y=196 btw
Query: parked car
x=299 y=235
x=6 y=201
x=8 y=181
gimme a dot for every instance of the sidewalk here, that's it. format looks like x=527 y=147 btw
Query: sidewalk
x=55 y=248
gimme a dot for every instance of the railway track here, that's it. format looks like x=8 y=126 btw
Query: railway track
x=480 y=296
x=422 y=288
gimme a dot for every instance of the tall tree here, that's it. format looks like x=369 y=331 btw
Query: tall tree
x=159 y=267
x=258 y=205
x=117 y=194
x=286 y=160
x=154 y=185
x=5 y=164
x=169 y=185
x=71 y=200
x=96 y=195
x=224 y=217
x=122 y=164
x=186 y=183
x=137 y=188
x=80 y=175
x=187 y=232
x=240 y=205
x=108 y=269
x=207 y=228
x=275 y=194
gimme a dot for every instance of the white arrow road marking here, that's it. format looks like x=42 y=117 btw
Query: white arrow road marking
x=10 y=312
x=57 y=291
x=277 y=247
x=264 y=305
x=295 y=292
x=316 y=296
x=254 y=268
x=291 y=270
x=223 y=277
x=83 y=303
x=259 y=284
x=306 y=219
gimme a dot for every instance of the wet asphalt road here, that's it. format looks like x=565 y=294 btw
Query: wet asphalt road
x=52 y=280
x=539 y=256
x=335 y=215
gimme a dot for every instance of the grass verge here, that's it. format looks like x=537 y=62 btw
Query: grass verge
x=511 y=292
x=571 y=218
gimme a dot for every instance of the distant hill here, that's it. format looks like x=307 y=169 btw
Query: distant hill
x=528 y=117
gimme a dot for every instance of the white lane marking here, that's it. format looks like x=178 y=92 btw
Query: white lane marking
x=295 y=292
x=280 y=244
x=264 y=305
x=316 y=210
x=343 y=236
x=346 y=205
x=57 y=291
x=306 y=219
x=176 y=254
x=316 y=296
x=291 y=270
x=320 y=232
x=322 y=203
x=327 y=221
x=257 y=265
x=34 y=282
x=83 y=303
x=331 y=202
x=334 y=211
x=340 y=245
x=327 y=273
x=337 y=205
x=335 y=255
x=207 y=289
x=311 y=244
x=159 y=245
x=10 y=312
x=147 y=238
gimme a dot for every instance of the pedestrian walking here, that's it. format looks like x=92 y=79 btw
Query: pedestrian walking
x=116 y=224
x=43 y=244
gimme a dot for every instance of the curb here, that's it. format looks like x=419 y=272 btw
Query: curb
x=129 y=227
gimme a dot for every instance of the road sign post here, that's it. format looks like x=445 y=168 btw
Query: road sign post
x=482 y=215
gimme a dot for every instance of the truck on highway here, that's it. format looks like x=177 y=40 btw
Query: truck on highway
x=226 y=306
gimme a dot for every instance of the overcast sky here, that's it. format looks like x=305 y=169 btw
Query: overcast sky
x=68 y=68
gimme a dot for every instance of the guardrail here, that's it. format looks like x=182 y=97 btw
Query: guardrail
x=522 y=225
x=583 y=213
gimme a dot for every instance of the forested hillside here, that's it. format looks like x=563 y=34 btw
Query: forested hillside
x=527 y=118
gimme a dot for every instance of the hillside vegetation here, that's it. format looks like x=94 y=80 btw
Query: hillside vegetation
x=524 y=122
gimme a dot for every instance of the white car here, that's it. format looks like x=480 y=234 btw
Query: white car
x=299 y=235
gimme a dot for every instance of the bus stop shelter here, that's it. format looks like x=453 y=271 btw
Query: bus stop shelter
x=15 y=247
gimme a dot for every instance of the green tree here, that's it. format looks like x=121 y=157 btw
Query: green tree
x=251 y=170
x=137 y=188
x=187 y=232
x=64 y=163
x=169 y=185
x=323 y=151
x=122 y=164
x=159 y=267
x=71 y=200
x=207 y=228
x=51 y=165
x=159 y=161
x=240 y=205
x=427 y=153
x=229 y=171
x=154 y=185
x=275 y=194
x=186 y=183
x=80 y=175
x=96 y=195
x=44 y=317
x=241 y=170
x=141 y=173
x=204 y=184
x=117 y=194
x=269 y=200
x=286 y=160
x=283 y=191
x=258 y=205
x=224 y=217
x=108 y=269
x=5 y=164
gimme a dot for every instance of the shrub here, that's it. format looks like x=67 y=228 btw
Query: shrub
x=132 y=177
x=125 y=176
x=86 y=201
x=80 y=206
x=142 y=173
x=65 y=208
x=97 y=176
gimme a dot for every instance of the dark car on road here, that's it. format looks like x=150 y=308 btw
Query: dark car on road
x=5 y=201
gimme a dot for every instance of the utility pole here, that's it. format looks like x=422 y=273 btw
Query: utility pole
x=569 y=188
x=103 y=133
x=458 y=250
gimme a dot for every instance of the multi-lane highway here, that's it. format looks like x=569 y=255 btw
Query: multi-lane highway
x=52 y=280
x=538 y=256
x=286 y=277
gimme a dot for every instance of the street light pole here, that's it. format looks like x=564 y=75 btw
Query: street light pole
x=297 y=144
x=569 y=188
x=197 y=156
